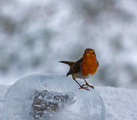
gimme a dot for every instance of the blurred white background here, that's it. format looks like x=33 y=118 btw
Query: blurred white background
x=36 y=34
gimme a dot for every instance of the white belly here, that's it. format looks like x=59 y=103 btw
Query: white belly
x=78 y=75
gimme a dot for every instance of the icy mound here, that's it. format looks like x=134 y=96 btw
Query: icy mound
x=51 y=97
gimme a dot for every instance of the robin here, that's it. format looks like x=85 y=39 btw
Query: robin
x=84 y=67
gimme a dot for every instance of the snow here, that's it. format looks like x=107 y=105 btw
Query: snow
x=3 y=90
x=120 y=103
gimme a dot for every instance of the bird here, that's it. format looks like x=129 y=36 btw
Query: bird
x=83 y=68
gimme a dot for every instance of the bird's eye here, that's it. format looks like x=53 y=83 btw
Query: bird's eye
x=87 y=52
x=93 y=53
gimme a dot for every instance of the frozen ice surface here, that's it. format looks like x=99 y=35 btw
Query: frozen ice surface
x=60 y=96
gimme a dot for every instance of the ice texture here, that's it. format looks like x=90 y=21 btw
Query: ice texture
x=52 y=97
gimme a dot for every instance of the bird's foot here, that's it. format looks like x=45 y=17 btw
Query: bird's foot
x=91 y=86
x=82 y=87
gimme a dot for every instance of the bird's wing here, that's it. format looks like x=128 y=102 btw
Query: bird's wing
x=97 y=63
x=75 y=68
x=67 y=62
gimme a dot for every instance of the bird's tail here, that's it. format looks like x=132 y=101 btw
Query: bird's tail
x=67 y=62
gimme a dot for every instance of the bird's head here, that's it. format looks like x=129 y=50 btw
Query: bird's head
x=89 y=53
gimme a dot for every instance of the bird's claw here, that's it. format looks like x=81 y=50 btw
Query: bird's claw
x=82 y=87
x=91 y=86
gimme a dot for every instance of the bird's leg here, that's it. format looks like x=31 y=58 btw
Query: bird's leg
x=81 y=86
x=88 y=84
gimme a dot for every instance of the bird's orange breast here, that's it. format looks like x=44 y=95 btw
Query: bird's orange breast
x=88 y=66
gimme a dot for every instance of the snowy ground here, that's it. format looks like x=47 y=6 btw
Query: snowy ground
x=120 y=103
